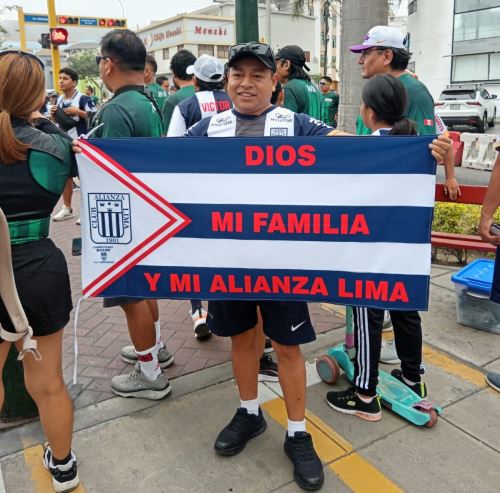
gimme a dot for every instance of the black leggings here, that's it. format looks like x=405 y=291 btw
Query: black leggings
x=368 y=340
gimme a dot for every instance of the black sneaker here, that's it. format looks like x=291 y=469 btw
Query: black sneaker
x=233 y=438
x=64 y=476
x=419 y=388
x=268 y=347
x=307 y=468
x=268 y=369
x=348 y=402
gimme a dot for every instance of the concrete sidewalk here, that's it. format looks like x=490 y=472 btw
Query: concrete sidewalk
x=135 y=445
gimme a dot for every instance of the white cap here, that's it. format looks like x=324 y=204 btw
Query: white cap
x=383 y=37
x=207 y=68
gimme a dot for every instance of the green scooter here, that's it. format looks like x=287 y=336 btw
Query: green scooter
x=394 y=394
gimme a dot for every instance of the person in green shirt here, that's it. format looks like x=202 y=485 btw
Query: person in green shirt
x=301 y=95
x=89 y=91
x=132 y=112
x=155 y=89
x=329 y=102
x=384 y=51
x=184 y=82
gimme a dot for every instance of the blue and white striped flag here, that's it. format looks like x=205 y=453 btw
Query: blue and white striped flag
x=345 y=220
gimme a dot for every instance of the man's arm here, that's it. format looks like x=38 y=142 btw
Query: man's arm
x=451 y=187
x=490 y=205
x=177 y=127
x=421 y=111
x=168 y=109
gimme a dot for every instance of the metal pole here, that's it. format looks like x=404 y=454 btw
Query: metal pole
x=268 y=21
x=54 y=50
x=247 y=21
x=22 y=28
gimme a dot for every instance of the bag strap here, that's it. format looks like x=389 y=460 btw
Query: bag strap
x=10 y=298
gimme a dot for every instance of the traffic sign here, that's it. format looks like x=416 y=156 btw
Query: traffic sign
x=59 y=36
x=75 y=21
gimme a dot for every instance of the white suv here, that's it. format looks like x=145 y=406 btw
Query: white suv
x=467 y=104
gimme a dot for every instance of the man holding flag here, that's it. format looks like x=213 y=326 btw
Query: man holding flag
x=132 y=112
x=251 y=82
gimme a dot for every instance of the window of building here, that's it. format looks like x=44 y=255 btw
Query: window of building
x=494 y=66
x=180 y=47
x=469 y=5
x=412 y=7
x=166 y=53
x=206 y=49
x=477 y=25
x=223 y=52
x=470 y=68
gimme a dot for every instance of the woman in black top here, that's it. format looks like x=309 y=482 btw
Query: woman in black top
x=34 y=167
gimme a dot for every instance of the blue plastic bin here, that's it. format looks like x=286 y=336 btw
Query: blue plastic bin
x=473 y=287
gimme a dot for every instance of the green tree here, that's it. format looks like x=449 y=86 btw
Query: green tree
x=85 y=66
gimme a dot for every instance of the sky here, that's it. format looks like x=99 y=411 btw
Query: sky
x=137 y=12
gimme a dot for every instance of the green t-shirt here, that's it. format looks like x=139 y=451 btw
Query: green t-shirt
x=50 y=173
x=173 y=100
x=158 y=93
x=420 y=107
x=128 y=113
x=329 y=107
x=301 y=96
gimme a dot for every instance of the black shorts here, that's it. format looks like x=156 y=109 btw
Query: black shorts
x=42 y=281
x=286 y=322
x=119 y=301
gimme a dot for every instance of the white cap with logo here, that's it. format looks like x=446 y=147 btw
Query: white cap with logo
x=383 y=37
x=207 y=68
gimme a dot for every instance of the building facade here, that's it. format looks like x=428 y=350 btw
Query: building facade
x=212 y=30
x=455 y=41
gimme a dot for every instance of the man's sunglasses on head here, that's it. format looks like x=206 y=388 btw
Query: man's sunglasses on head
x=256 y=48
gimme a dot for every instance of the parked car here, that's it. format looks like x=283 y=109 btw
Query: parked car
x=467 y=104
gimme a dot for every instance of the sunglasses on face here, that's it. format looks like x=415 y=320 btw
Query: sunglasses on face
x=322 y=83
x=98 y=59
x=23 y=53
x=256 y=48
x=365 y=53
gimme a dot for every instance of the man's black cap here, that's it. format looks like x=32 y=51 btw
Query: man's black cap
x=262 y=52
x=294 y=54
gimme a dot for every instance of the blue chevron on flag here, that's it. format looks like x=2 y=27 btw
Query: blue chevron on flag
x=345 y=220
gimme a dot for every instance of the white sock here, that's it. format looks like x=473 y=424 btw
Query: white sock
x=366 y=399
x=409 y=382
x=159 y=341
x=252 y=406
x=294 y=426
x=148 y=361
